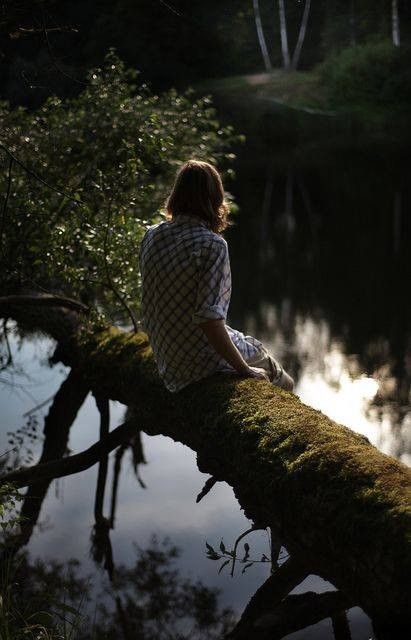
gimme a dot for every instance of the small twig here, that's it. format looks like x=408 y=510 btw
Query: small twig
x=24 y=30
x=109 y=278
x=38 y=406
x=9 y=353
x=45 y=32
x=6 y=200
x=43 y=301
x=35 y=175
x=116 y=476
x=6 y=453
x=71 y=464
x=209 y=484
x=243 y=535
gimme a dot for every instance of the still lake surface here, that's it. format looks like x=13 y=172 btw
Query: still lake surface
x=320 y=263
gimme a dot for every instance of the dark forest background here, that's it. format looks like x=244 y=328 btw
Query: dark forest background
x=47 y=46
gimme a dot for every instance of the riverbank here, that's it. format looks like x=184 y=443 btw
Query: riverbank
x=298 y=90
x=299 y=94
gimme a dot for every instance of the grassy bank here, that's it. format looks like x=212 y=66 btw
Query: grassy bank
x=299 y=89
x=368 y=86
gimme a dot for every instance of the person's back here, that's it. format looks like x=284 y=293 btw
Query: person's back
x=186 y=289
x=186 y=281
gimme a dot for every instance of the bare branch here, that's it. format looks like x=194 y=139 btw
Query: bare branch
x=72 y=464
x=45 y=32
x=6 y=200
x=42 y=301
x=275 y=588
x=209 y=484
x=36 y=176
x=298 y=612
x=110 y=282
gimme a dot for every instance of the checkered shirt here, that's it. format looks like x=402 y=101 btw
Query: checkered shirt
x=186 y=280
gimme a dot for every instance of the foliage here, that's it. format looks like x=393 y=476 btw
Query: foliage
x=9 y=497
x=376 y=74
x=41 y=601
x=276 y=555
x=108 y=157
x=153 y=601
x=150 y=600
x=230 y=557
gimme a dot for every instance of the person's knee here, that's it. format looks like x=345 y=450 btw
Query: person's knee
x=286 y=382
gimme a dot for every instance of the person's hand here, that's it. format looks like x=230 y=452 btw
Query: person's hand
x=257 y=372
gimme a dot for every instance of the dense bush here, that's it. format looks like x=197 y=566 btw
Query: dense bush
x=377 y=74
x=107 y=157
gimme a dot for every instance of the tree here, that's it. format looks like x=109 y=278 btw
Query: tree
x=292 y=63
x=284 y=37
x=395 y=23
x=84 y=177
x=301 y=35
x=260 y=34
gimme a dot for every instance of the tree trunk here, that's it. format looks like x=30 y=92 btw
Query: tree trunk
x=261 y=39
x=63 y=411
x=339 y=504
x=301 y=35
x=353 y=24
x=395 y=24
x=284 y=38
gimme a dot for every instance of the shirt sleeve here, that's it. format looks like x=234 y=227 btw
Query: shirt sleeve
x=213 y=283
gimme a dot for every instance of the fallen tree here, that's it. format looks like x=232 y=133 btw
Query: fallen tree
x=338 y=504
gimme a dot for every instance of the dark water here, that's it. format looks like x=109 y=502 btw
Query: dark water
x=321 y=272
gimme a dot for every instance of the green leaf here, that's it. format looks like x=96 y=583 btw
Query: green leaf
x=250 y=564
x=223 y=565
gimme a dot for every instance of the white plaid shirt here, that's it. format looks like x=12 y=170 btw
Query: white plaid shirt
x=186 y=280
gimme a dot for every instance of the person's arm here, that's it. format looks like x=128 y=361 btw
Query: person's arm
x=219 y=338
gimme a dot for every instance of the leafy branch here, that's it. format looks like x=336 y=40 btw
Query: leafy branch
x=231 y=556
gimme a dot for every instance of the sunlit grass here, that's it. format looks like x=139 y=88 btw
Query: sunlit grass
x=296 y=89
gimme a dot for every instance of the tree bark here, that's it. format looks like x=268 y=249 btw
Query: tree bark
x=284 y=37
x=395 y=24
x=353 y=24
x=301 y=35
x=341 y=625
x=340 y=505
x=63 y=411
x=296 y=612
x=288 y=576
x=261 y=38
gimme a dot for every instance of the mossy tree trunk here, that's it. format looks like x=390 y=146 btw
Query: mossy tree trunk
x=337 y=503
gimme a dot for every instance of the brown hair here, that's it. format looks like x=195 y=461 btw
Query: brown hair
x=198 y=191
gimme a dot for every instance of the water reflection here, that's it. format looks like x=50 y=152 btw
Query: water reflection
x=334 y=381
x=149 y=599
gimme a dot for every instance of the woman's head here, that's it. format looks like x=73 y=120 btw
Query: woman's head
x=198 y=191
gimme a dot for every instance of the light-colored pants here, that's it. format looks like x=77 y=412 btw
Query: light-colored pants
x=264 y=360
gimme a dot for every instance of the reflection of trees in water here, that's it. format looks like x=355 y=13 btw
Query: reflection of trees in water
x=150 y=600
x=321 y=365
x=57 y=424
x=332 y=243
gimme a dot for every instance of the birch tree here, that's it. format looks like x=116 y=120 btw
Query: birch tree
x=395 y=19
x=284 y=37
x=291 y=64
x=301 y=35
x=260 y=34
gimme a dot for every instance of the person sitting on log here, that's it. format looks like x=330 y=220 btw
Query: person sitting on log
x=186 y=289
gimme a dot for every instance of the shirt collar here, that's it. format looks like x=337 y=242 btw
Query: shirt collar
x=185 y=218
